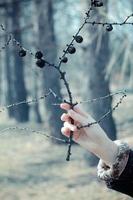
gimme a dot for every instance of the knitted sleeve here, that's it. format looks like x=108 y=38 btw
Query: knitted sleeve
x=119 y=176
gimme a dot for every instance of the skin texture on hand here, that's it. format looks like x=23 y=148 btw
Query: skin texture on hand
x=92 y=138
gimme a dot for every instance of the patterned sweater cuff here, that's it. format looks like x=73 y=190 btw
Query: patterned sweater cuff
x=105 y=172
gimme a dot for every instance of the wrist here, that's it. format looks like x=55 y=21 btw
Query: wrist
x=108 y=151
x=106 y=172
x=111 y=153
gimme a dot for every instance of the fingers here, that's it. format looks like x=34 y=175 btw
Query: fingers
x=70 y=126
x=77 y=117
x=77 y=108
x=73 y=115
x=66 y=131
x=65 y=106
x=80 y=110
x=65 y=117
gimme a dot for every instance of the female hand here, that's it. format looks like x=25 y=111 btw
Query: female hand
x=92 y=138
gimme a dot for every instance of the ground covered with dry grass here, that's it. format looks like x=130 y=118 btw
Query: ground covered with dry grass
x=31 y=168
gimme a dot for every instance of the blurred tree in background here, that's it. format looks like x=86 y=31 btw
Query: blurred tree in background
x=98 y=53
x=98 y=84
x=8 y=66
x=19 y=89
x=47 y=44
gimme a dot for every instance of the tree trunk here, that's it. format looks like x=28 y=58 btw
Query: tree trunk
x=8 y=68
x=38 y=118
x=98 y=85
x=21 y=113
x=47 y=43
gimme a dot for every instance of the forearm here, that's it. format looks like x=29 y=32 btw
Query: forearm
x=107 y=152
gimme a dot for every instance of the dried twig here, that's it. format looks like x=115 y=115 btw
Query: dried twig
x=35 y=100
x=33 y=131
x=105 y=115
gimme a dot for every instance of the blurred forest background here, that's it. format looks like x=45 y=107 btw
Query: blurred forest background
x=30 y=166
